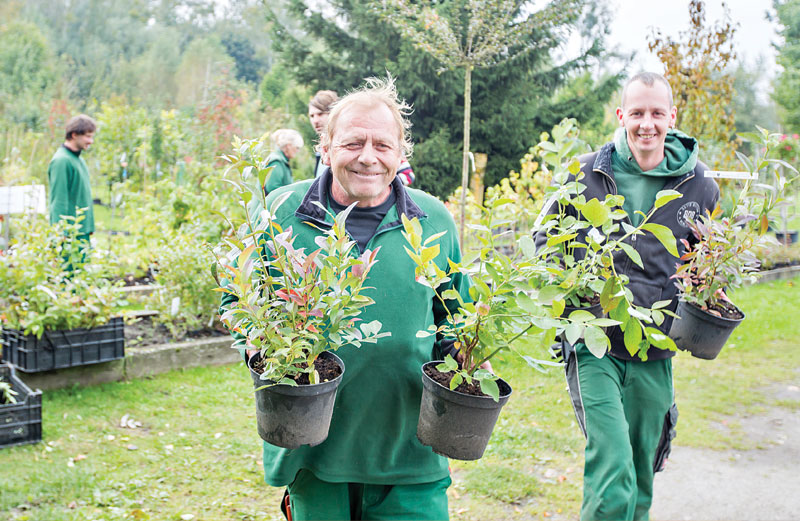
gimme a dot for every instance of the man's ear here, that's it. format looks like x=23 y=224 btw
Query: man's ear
x=619 y=116
x=326 y=158
x=673 y=116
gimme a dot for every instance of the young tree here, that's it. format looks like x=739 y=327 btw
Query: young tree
x=511 y=103
x=697 y=67
x=787 y=83
x=470 y=34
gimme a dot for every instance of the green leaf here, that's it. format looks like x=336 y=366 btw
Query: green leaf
x=633 y=254
x=573 y=333
x=596 y=213
x=489 y=387
x=665 y=196
x=558 y=239
x=596 y=341
x=550 y=293
x=633 y=336
x=664 y=235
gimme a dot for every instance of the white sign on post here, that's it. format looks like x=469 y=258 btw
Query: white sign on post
x=721 y=174
x=23 y=199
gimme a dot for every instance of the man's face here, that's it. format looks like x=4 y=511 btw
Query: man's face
x=318 y=118
x=364 y=154
x=83 y=141
x=646 y=115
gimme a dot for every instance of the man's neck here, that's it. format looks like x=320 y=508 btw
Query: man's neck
x=649 y=161
x=72 y=147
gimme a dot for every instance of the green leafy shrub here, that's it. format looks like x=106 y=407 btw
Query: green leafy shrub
x=50 y=283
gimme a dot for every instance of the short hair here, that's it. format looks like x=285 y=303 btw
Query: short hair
x=375 y=91
x=649 y=79
x=323 y=100
x=286 y=136
x=80 y=125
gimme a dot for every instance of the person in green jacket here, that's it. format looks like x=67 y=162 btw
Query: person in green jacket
x=68 y=176
x=371 y=466
x=286 y=143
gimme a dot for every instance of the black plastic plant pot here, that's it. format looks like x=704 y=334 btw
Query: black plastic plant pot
x=790 y=237
x=454 y=424
x=291 y=416
x=20 y=422
x=60 y=349
x=596 y=310
x=699 y=332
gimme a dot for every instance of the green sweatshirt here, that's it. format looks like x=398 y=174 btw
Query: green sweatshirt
x=372 y=438
x=281 y=174
x=640 y=188
x=70 y=188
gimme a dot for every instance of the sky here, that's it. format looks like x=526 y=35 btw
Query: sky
x=635 y=19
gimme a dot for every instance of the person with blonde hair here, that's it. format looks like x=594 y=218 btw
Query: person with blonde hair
x=286 y=144
x=371 y=466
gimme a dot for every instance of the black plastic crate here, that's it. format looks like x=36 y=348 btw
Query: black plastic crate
x=20 y=422
x=67 y=348
x=7 y=340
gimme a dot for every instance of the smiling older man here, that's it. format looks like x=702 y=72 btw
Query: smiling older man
x=371 y=466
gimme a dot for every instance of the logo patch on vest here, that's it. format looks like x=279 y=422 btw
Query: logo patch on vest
x=688 y=213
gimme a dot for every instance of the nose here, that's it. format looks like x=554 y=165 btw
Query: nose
x=367 y=155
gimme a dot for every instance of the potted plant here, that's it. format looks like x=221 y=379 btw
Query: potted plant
x=462 y=398
x=294 y=307
x=580 y=242
x=58 y=308
x=20 y=410
x=723 y=256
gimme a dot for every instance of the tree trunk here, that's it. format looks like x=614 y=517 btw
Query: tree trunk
x=465 y=159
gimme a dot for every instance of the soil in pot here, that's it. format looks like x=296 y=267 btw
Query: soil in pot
x=326 y=368
x=726 y=310
x=443 y=379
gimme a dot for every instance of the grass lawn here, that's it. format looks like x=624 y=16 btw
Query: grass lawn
x=197 y=452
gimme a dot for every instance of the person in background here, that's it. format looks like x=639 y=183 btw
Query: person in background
x=286 y=143
x=319 y=107
x=68 y=176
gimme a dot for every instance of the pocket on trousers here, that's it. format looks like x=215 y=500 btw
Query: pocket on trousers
x=668 y=434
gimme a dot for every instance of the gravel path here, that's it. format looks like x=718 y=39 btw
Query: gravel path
x=751 y=485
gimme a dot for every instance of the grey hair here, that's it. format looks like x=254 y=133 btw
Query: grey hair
x=649 y=79
x=374 y=91
x=286 y=136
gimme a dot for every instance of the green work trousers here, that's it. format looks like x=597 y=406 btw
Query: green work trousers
x=624 y=404
x=312 y=499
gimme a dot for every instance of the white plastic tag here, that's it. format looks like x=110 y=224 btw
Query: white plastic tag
x=722 y=174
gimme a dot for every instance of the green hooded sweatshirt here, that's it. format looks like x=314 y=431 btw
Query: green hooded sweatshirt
x=70 y=188
x=640 y=188
x=372 y=437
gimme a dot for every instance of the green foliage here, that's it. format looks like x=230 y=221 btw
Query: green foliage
x=724 y=254
x=27 y=74
x=50 y=283
x=497 y=314
x=510 y=103
x=787 y=83
x=7 y=393
x=182 y=267
x=581 y=241
x=290 y=305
